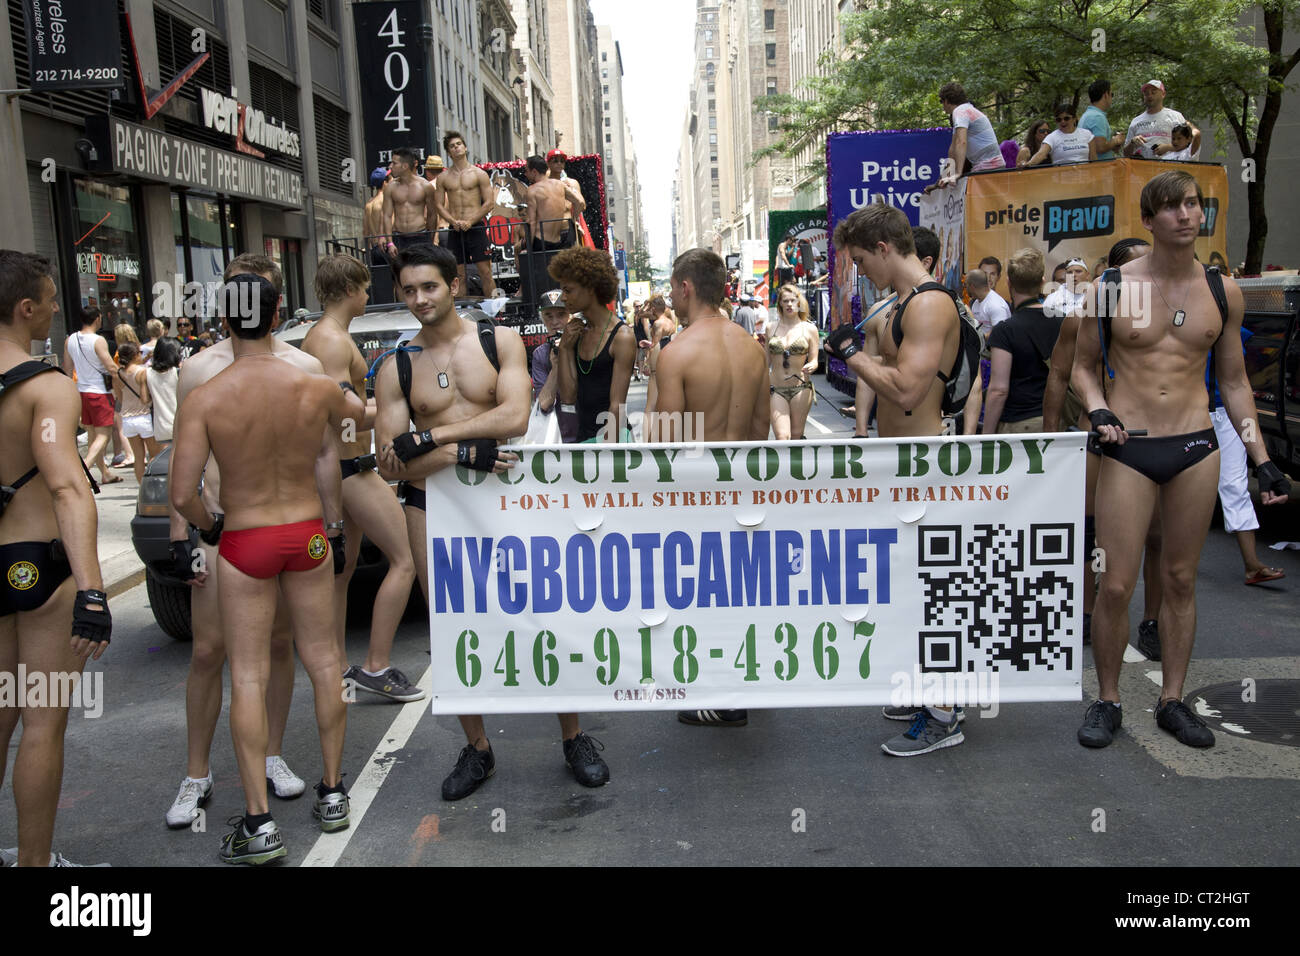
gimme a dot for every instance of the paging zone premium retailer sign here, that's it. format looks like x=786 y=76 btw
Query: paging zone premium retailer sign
x=775 y=574
x=153 y=154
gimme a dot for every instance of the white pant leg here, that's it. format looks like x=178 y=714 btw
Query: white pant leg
x=1234 y=494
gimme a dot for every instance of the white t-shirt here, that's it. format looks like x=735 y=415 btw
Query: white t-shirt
x=989 y=311
x=981 y=143
x=90 y=374
x=1061 y=302
x=1184 y=155
x=1155 y=127
x=1068 y=147
x=162 y=392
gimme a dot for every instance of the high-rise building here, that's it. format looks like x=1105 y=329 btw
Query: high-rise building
x=533 y=61
x=616 y=143
x=573 y=42
x=814 y=30
x=503 y=127
x=456 y=69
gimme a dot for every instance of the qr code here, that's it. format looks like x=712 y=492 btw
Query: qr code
x=997 y=597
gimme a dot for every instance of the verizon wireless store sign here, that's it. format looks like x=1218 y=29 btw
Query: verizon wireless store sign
x=153 y=154
x=250 y=126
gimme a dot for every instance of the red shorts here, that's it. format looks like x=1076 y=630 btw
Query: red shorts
x=96 y=410
x=265 y=552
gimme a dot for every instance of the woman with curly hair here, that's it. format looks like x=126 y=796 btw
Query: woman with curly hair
x=596 y=350
x=1038 y=131
x=791 y=359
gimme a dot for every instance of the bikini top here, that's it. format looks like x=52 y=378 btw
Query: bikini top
x=797 y=347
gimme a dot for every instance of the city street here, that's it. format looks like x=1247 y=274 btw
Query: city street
x=794 y=787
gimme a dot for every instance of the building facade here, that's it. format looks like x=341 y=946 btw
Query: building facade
x=532 y=60
x=573 y=42
x=134 y=194
x=503 y=107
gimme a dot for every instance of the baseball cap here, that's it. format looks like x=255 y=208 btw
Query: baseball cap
x=434 y=160
x=554 y=299
x=377 y=176
x=555 y=154
x=1156 y=83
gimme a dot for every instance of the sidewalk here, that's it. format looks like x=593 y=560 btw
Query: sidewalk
x=118 y=562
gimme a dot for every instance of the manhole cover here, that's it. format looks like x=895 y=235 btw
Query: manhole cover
x=1270 y=712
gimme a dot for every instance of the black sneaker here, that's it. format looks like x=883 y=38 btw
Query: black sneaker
x=1177 y=718
x=714 y=718
x=472 y=768
x=390 y=683
x=1100 y=723
x=587 y=766
x=1149 y=640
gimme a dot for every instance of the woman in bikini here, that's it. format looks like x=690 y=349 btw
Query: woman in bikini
x=792 y=345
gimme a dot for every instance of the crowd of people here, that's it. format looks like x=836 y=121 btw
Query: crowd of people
x=269 y=550
x=1158 y=132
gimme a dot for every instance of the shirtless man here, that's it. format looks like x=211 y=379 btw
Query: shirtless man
x=409 y=211
x=1158 y=357
x=550 y=224
x=208 y=650
x=716 y=374
x=372 y=215
x=270 y=532
x=53 y=610
x=463 y=407
x=464 y=198
x=663 y=326
x=906 y=381
x=369 y=506
x=555 y=164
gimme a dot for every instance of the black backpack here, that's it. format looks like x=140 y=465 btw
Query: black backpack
x=16 y=376
x=1108 y=292
x=966 y=368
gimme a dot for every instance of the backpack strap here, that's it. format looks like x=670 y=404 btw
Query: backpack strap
x=1214 y=278
x=1107 y=292
x=487 y=337
x=898 y=316
x=403 y=361
x=16 y=376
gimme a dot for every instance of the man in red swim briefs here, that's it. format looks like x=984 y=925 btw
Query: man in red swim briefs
x=271 y=529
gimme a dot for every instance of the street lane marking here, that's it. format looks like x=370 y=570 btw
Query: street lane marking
x=818 y=425
x=330 y=846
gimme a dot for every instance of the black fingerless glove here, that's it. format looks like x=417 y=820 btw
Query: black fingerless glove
x=94 y=626
x=338 y=548
x=213 y=534
x=347 y=387
x=182 y=553
x=1104 y=416
x=413 y=444
x=1271 y=479
x=842 y=343
x=480 y=454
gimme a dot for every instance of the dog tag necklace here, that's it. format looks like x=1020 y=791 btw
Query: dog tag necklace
x=443 y=381
x=1180 y=316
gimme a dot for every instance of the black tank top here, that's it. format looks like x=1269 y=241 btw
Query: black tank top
x=593 y=386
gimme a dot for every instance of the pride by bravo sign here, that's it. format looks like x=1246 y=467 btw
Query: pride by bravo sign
x=789 y=574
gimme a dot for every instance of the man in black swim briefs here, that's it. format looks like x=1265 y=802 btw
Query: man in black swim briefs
x=1157 y=319
x=50 y=590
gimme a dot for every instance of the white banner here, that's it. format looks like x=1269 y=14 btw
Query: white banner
x=773 y=574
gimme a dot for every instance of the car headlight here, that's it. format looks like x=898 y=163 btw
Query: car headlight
x=152 y=500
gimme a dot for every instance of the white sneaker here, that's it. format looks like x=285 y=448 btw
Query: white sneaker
x=9 y=857
x=282 y=780
x=192 y=795
x=58 y=859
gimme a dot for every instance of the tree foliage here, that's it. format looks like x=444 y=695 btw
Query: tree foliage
x=638 y=263
x=1222 y=62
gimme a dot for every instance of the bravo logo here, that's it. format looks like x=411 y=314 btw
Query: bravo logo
x=1058 y=221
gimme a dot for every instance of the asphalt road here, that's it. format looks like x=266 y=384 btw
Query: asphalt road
x=794 y=787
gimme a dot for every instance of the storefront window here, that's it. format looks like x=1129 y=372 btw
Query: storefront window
x=206 y=240
x=107 y=252
x=288 y=255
